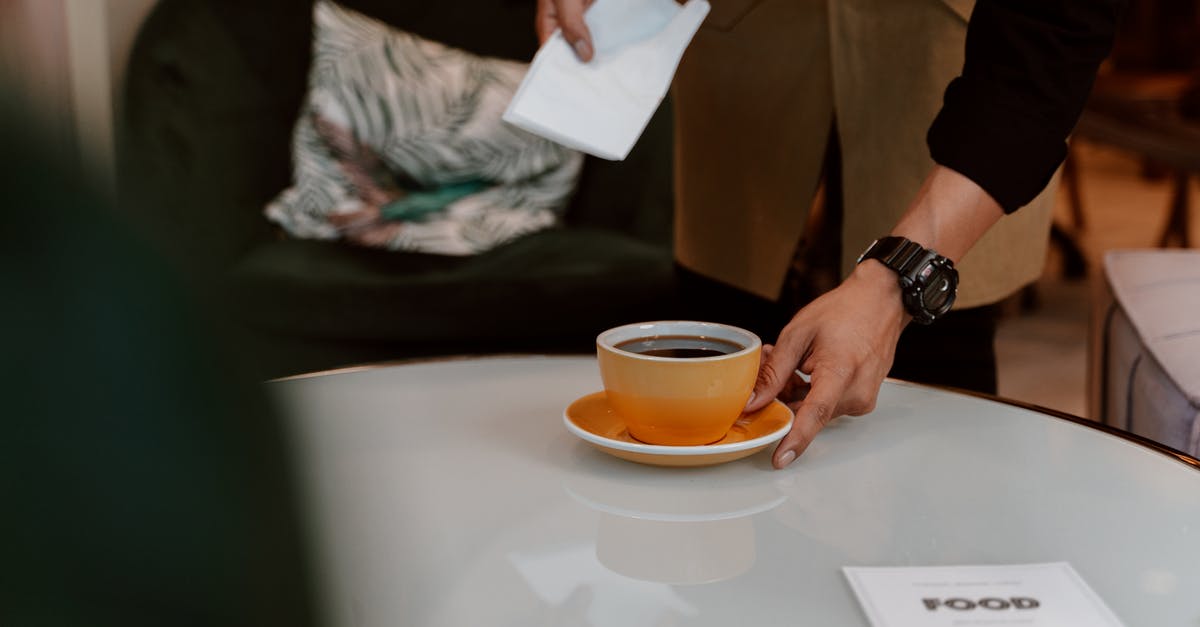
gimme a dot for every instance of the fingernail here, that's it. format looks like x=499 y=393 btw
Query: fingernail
x=753 y=395
x=583 y=49
x=785 y=459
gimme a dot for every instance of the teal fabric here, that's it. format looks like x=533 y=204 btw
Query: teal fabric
x=417 y=205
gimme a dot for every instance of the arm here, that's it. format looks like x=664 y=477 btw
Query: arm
x=1028 y=70
x=997 y=141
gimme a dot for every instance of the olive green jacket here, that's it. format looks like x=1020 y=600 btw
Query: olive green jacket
x=755 y=97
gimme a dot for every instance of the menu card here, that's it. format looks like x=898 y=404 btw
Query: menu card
x=1030 y=595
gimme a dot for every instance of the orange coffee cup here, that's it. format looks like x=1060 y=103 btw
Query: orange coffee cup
x=678 y=382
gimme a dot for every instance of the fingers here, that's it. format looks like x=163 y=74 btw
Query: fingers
x=777 y=367
x=568 y=16
x=794 y=392
x=831 y=393
x=570 y=20
x=859 y=399
x=817 y=409
x=794 y=389
x=545 y=22
x=846 y=339
x=761 y=395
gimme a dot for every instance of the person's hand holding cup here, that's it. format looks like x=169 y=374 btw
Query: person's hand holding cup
x=678 y=383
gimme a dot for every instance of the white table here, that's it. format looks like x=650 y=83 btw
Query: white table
x=449 y=493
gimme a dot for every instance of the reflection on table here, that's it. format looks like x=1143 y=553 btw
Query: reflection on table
x=449 y=493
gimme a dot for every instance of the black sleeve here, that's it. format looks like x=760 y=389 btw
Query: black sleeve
x=1029 y=67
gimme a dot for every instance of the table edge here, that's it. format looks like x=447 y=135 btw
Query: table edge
x=1144 y=442
x=1133 y=438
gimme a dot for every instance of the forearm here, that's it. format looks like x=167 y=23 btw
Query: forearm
x=949 y=214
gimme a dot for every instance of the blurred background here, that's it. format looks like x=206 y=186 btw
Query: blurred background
x=72 y=56
x=167 y=124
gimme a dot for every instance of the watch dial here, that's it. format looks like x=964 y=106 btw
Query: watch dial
x=938 y=293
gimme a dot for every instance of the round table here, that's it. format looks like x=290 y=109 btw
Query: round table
x=450 y=493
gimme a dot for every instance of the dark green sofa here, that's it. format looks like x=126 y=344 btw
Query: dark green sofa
x=212 y=90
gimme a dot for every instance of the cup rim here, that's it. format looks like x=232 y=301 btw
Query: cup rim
x=604 y=340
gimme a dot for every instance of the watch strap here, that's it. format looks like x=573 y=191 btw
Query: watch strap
x=898 y=253
x=913 y=265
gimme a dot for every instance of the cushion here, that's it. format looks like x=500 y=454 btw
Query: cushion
x=1152 y=338
x=555 y=283
x=1160 y=292
x=400 y=145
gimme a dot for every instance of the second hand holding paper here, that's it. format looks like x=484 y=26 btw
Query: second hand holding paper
x=602 y=107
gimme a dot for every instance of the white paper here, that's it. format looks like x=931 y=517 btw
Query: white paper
x=602 y=107
x=1029 y=595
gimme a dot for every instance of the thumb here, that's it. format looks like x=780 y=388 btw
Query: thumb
x=574 y=29
x=775 y=370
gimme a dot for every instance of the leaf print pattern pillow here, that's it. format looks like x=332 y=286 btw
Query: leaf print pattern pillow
x=400 y=145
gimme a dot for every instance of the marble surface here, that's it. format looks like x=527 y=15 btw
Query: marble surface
x=449 y=493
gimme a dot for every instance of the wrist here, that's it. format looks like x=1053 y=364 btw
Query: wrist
x=881 y=281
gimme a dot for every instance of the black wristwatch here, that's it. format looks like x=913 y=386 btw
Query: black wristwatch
x=928 y=281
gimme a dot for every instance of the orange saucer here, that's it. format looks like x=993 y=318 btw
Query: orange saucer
x=593 y=420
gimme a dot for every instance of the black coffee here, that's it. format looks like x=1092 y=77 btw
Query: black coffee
x=680 y=346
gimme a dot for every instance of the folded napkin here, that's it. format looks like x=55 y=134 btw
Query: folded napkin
x=602 y=107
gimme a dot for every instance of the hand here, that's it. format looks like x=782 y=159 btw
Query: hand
x=567 y=15
x=845 y=340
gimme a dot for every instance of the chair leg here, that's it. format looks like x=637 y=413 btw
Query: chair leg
x=1177 y=227
x=1070 y=179
x=1074 y=263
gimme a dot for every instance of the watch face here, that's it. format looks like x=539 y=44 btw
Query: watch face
x=938 y=294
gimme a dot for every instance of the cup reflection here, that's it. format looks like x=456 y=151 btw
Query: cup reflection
x=676 y=552
x=684 y=533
